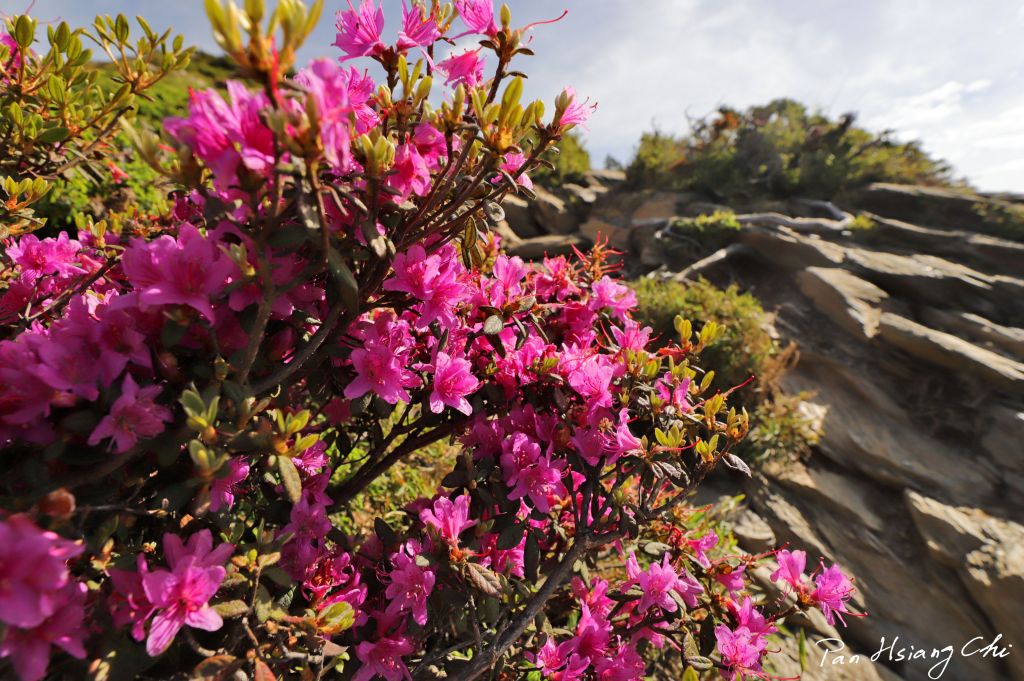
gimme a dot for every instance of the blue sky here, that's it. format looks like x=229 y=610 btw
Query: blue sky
x=948 y=72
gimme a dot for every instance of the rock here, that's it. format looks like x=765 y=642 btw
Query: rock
x=584 y=195
x=899 y=598
x=827 y=666
x=939 y=282
x=1005 y=338
x=988 y=552
x=824 y=488
x=932 y=206
x=509 y=238
x=1003 y=438
x=952 y=353
x=517 y=214
x=752 y=532
x=852 y=303
x=551 y=213
x=551 y=244
x=606 y=177
x=786 y=248
x=595 y=229
x=866 y=429
x=661 y=206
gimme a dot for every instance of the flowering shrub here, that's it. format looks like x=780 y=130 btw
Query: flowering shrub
x=187 y=412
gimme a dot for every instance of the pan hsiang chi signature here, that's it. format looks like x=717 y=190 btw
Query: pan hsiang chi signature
x=834 y=653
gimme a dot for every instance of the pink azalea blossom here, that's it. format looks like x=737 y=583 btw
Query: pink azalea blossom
x=732 y=581
x=434 y=280
x=133 y=415
x=449 y=518
x=37 y=258
x=832 y=591
x=739 y=651
x=452 y=381
x=541 y=482
x=381 y=372
x=313 y=459
x=512 y=163
x=29 y=649
x=592 y=635
x=188 y=270
x=466 y=67
x=632 y=336
x=359 y=30
x=701 y=546
x=33 y=572
x=409 y=588
x=478 y=15
x=560 y=662
x=222 y=491
x=383 y=658
x=659 y=581
x=607 y=293
x=748 y=616
x=180 y=596
x=410 y=172
x=791 y=568
x=576 y=112
x=419 y=29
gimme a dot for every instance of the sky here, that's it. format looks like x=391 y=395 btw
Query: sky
x=947 y=72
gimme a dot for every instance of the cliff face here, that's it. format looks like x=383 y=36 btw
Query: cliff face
x=911 y=334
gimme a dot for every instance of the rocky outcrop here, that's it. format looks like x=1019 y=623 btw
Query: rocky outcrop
x=912 y=360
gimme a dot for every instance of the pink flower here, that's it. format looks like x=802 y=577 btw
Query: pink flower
x=659 y=581
x=383 y=658
x=33 y=572
x=832 y=590
x=738 y=649
x=380 y=371
x=449 y=518
x=133 y=415
x=222 y=491
x=592 y=634
x=129 y=603
x=434 y=280
x=702 y=545
x=748 y=616
x=560 y=662
x=419 y=29
x=181 y=596
x=409 y=588
x=732 y=581
x=631 y=336
x=50 y=256
x=542 y=482
x=312 y=459
x=625 y=442
x=478 y=15
x=452 y=382
x=183 y=271
x=359 y=30
x=410 y=173
x=466 y=68
x=512 y=163
x=791 y=568
x=29 y=649
x=606 y=293
x=576 y=112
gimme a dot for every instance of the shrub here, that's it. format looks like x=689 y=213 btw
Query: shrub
x=189 y=409
x=744 y=349
x=779 y=150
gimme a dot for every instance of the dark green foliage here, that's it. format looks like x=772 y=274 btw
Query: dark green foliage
x=691 y=239
x=779 y=150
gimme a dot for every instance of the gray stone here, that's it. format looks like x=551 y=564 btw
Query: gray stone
x=785 y=248
x=752 y=532
x=952 y=353
x=517 y=214
x=1007 y=339
x=551 y=213
x=852 y=303
x=551 y=244
x=866 y=429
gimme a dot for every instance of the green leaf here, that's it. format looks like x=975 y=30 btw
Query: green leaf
x=290 y=478
x=802 y=643
x=691 y=674
x=229 y=609
x=511 y=536
x=53 y=135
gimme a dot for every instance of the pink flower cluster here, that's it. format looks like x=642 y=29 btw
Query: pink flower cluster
x=40 y=603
